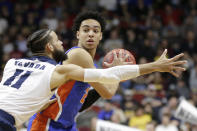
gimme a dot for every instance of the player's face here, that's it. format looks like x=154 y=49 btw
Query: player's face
x=55 y=42
x=89 y=34
x=58 y=50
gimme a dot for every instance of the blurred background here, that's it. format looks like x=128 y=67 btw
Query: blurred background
x=144 y=27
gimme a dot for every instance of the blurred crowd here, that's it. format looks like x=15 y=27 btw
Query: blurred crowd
x=144 y=27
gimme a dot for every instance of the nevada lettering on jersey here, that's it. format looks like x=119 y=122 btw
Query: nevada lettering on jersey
x=30 y=65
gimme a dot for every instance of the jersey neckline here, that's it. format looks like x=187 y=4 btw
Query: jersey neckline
x=43 y=59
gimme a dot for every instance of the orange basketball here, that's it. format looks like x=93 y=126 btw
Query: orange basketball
x=109 y=56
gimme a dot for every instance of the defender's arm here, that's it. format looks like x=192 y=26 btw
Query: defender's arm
x=82 y=58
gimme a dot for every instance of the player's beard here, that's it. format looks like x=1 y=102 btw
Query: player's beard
x=59 y=55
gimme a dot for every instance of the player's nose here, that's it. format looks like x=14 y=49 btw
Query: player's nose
x=91 y=33
x=60 y=42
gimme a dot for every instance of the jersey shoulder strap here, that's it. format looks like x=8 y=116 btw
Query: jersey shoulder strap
x=72 y=49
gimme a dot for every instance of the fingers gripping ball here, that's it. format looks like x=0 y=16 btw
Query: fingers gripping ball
x=125 y=54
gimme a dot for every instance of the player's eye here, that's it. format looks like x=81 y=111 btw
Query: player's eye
x=85 y=30
x=96 y=31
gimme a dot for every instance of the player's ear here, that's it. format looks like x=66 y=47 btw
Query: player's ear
x=49 y=47
x=101 y=37
x=77 y=34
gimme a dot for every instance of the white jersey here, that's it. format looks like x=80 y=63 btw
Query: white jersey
x=25 y=86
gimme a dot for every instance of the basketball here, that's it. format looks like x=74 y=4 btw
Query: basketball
x=109 y=56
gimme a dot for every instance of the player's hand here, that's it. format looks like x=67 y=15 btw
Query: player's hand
x=173 y=65
x=118 y=60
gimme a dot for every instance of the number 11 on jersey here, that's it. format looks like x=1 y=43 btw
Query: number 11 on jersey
x=21 y=79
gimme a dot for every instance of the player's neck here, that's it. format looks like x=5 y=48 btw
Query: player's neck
x=92 y=52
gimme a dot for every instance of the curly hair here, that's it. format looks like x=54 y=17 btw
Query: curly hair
x=88 y=15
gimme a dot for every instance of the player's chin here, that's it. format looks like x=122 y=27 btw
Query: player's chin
x=90 y=46
x=62 y=49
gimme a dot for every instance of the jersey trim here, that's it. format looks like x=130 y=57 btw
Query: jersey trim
x=72 y=48
x=42 y=59
x=63 y=92
x=39 y=123
x=59 y=104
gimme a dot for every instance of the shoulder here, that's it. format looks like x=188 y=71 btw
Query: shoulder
x=78 y=52
x=80 y=57
x=10 y=62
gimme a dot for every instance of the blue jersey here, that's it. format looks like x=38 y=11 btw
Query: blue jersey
x=61 y=114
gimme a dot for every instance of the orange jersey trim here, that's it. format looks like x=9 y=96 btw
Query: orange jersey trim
x=63 y=92
x=39 y=123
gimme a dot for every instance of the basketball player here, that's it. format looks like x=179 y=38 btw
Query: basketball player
x=60 y=115
x=88 y=27
x=27 y=83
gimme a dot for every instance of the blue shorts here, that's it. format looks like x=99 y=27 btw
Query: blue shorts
x=54 y=126
x=7 y=121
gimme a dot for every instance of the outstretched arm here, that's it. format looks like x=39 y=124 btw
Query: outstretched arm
x=125 y=72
